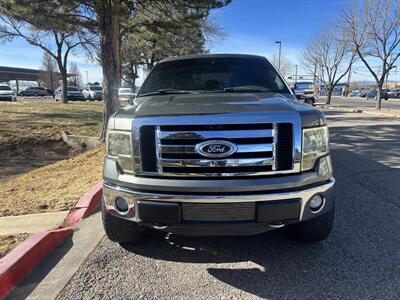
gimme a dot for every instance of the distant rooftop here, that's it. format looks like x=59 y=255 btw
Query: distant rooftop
x=11 y=73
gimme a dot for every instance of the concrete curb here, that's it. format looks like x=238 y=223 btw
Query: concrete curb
x=17 y=264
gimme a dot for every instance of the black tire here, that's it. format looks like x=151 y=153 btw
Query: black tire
x=120 y=230
x=314 y=230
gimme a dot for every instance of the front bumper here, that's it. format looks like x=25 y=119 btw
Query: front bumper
x=6 y=97
x=76 y=97
x=218 y=214
x=305 y=96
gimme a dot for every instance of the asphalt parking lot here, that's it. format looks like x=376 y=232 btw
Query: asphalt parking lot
x=360 y=259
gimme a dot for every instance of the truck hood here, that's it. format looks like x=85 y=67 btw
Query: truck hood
x=217 y=103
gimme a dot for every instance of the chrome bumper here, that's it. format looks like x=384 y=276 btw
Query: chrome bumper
x=110 y=192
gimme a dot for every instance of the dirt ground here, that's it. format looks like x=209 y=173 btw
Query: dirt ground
x=30 y=133
x=9 y=242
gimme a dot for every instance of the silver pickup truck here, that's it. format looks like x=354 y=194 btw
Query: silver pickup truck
x=217 y=145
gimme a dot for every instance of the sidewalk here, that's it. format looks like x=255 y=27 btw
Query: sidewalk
x=382 y=112
x=32 y=222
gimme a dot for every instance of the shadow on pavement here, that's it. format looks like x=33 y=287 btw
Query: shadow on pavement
x=360 y=259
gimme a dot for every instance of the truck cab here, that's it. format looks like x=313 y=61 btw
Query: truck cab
x=217 y=144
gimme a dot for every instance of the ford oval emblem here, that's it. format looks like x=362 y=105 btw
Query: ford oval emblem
x=216 y=148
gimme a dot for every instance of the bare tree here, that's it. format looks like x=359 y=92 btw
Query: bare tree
x=329 y=56
x=285 y=65
x=374 y=30
x=75 y=75
x=13 y=24
x=50 y=76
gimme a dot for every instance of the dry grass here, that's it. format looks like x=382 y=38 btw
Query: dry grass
x=54 y=187
x=44 y=120
x=9 y=242
x=38 y=171
x=30 y=133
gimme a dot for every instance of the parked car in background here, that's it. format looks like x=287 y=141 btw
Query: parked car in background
x=372 y=94
x=304 y=91
x=50 y=92
x=93 y=92
x=6 y=93
x=355 y=93
x=73 y=94
x=35 y=91
x=126 y=94
x=396 y=93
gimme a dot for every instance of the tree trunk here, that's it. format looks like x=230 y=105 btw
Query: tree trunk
x=379 y=96
x=329 y=96
x=64 y=85
x=109 y=31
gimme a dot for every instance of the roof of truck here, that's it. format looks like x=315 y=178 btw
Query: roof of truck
x=219 y=55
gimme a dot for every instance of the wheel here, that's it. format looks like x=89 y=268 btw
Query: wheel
x=313 y=230
x=36 y=94
x=120 y=230
x=310 y=101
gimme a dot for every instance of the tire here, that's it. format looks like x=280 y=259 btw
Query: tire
x=120 y=230
x=313 y=230
x=36 y=94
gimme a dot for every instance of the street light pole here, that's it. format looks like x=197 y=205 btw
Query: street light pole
x=279 y=57
x=295 y=74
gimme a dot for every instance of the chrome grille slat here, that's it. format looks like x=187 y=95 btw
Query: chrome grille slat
x=230 y=162
x=228 y=134
x=241 y=148
x=256 y=153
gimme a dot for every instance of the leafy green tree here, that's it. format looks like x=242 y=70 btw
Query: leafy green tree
x=147 y=44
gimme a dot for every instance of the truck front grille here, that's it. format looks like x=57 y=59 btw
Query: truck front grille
x=262 y=148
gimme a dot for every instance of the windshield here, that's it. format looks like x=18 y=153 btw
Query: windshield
x=72 y=89
x=303 y=85
x=214 y=74
x=96 y=88
x=5 y=88
x=125 y=91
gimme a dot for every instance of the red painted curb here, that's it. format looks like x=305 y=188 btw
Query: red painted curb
x=86 y=205
x=17 y=264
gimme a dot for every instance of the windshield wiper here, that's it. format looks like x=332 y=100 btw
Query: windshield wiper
x=248 y=88
x=167 y=91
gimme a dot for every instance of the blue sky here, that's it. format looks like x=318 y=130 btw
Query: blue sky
x=252 y=26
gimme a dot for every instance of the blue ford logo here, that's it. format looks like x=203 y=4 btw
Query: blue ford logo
x=216 y=148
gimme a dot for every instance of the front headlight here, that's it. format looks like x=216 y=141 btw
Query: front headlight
x=315 y=145
x=119 y=148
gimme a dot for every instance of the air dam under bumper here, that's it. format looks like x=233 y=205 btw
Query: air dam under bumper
x=237 y=214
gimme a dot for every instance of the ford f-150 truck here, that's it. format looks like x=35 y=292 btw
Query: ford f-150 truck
x=217 y=145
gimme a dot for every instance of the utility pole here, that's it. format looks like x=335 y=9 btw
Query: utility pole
x=295 y=74
x=348 y=82
x=279 y=57
x=315 y=80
